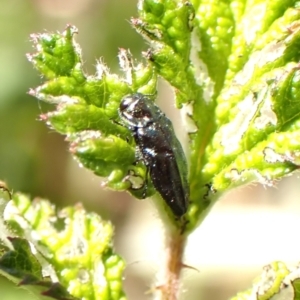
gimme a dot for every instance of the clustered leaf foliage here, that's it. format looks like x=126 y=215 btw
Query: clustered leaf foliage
x=64 y=255
x=87 y=107
x=234 y=68
x=237 y=85
x=276 y=282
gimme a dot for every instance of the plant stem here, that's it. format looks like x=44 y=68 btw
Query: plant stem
x=170 y=287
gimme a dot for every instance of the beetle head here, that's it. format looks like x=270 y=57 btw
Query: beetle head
x=137 y=110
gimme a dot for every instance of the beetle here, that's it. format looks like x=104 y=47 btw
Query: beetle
x=159 y=148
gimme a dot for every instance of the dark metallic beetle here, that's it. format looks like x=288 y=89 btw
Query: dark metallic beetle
x=159 y=148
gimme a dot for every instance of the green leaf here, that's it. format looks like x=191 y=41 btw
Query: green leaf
x=232 y=148
x=234 y=67
x=20 y=262
x=64 y=254
x=237 y=82
x=276 y=282
x=168 y=24
x=87 y=108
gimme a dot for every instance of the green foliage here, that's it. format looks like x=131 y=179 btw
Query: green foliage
x=234 y=67
x=87 y=107
x=276 y=282
x=63 y=255
x=239 y=84
x=247 y=138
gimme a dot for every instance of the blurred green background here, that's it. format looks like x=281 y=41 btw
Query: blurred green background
x=227 y=249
